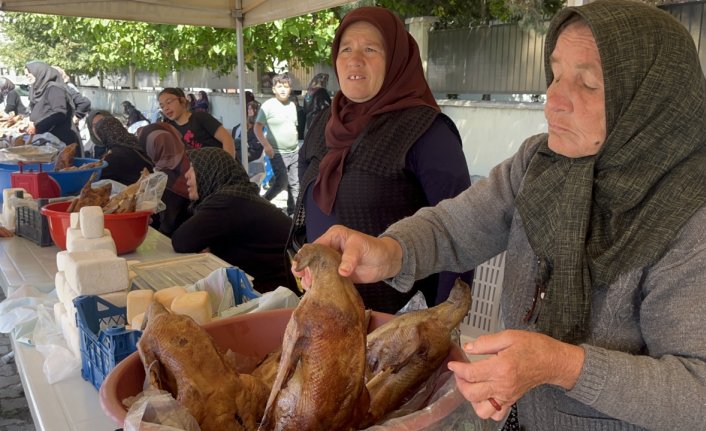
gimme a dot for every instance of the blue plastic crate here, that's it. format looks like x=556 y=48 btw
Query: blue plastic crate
x=105 y=341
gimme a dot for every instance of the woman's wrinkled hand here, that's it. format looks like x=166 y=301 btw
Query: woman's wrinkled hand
x=518 y=362
x=365 y=258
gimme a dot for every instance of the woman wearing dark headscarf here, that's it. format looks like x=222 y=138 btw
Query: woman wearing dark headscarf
x=92 y=119
x=126 y=159
x=52 y=109
x=383 y=149
x=202 y=104
x=316 y=98
x=163 y=145
x=8 y=94
x=604 y=222
x=233 y=221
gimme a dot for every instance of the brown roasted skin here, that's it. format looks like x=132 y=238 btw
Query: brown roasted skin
x=126 y=200
x=320 y=379
x=90 y=196
x=266 y=370
x=180 y=357
x=405 y=352
x=66 y=157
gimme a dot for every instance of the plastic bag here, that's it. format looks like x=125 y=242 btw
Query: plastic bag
x=149 y=196
x=219 y=290
x=278 y=298
x=18 y=312
x=159 y=411
x=44 y=149
x=59 y=362
x=416 y=302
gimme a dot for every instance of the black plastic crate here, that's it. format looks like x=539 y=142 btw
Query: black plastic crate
x=31 y=224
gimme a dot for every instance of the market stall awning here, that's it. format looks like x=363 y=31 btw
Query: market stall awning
x=211 y=13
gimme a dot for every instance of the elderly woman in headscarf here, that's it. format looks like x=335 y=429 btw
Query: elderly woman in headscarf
x=382 y=150
x=126 y=159
x=12 y=99
x=604 y=223
x=50 y=103
x=92 y=119
x=163 y=145
x=233 y=221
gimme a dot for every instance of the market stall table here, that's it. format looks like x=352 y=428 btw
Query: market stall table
x=71 y=404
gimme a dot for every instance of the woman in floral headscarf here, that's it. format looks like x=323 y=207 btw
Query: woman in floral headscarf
x=126 y=159
x=233 y=221
x=382 y=150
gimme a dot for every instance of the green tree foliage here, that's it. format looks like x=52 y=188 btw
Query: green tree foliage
x=94 y=46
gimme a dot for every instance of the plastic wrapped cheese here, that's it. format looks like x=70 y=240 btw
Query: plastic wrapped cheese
x=166 y=296
x=61 y=260
x=197 y=305
x=96 y=272
x=79 y=243
x=137 y=302
x=75 y=221
x=92 y=222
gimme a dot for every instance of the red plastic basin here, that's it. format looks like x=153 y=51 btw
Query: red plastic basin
x=128 y=229
x=253 y=335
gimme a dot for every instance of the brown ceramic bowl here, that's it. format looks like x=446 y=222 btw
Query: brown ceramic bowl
x=255 y=335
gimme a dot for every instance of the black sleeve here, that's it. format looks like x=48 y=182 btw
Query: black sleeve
x=48 y=123
x=82 y=104
x=12 y=102
x=199 y=232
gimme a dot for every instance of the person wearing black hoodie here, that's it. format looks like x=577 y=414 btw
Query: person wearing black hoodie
x=50 y=103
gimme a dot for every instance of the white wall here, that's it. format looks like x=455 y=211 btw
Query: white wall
x=491 y=131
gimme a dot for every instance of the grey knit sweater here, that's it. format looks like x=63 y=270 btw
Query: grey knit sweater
x=645 y=362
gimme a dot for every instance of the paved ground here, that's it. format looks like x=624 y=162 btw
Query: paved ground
x=14 y=411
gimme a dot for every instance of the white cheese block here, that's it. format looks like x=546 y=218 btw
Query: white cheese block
x=137 y=302
x=119 y=298
x=75 y=221
x=64 y=291
x=59 y=309
x=197 y=305
x=61 y=259
x=96 y=272
x=71 y=335
x=89 y=244
x=166 y=296
x=92 y=222
x=71 y=312
x=71 y=235
x=136 y=322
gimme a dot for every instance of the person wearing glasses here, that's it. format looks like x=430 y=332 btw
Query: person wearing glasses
x=198 y=129
x=604 y=223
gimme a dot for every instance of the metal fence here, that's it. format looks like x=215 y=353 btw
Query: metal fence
x=506 y=59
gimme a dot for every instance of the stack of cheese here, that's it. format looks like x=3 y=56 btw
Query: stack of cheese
x=94 y=269
x=176 y=299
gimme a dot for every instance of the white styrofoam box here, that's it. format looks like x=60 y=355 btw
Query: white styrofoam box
x=75 y=221
x=96 y=272
x=71 y=335
x=484 y=315
x=92 y=222
x=59 y=309
x=61 y=259
x=92 y=244
x=9 y=192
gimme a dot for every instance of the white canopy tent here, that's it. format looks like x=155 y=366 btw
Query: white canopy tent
x=236 y=14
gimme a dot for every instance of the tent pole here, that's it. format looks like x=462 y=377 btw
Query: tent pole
x=241 y=86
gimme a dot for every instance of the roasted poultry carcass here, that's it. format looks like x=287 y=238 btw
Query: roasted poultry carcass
x=90 y=196
x=66 y=158
x=180 y=357
x=126 y=200
x=320 y=380
x=406 y=351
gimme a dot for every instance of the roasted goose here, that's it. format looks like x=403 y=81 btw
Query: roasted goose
x=405 y=351
x=126 y=200
x=320 y=380
x=90 y=196
x=66 y=158
x=180 y=357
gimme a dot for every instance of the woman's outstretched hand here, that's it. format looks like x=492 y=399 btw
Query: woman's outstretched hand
x=365 y=258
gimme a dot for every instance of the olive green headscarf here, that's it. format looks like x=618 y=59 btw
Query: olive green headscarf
x=591 y=219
